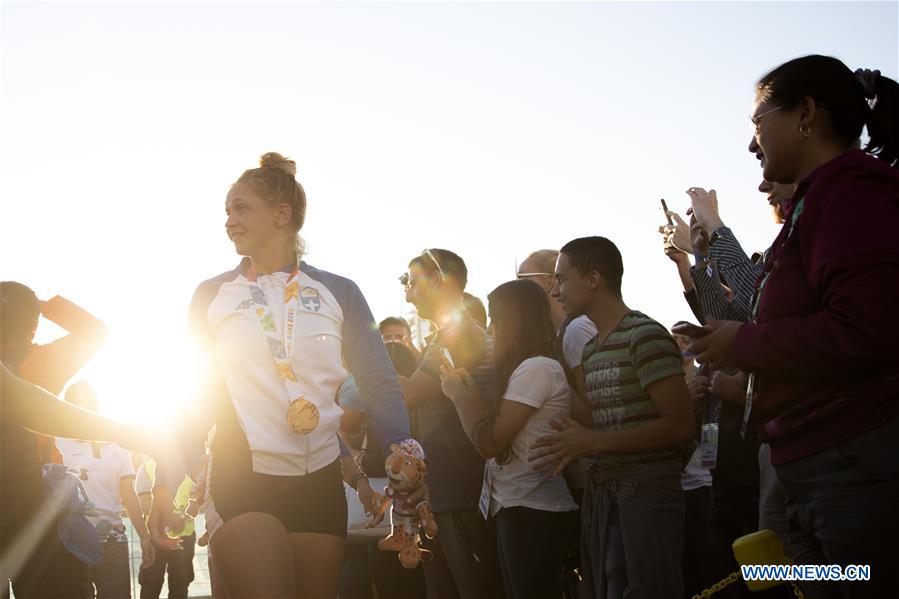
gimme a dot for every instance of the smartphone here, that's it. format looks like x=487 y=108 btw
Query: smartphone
x=447 y=356
x=665 y=211
x=690 y=330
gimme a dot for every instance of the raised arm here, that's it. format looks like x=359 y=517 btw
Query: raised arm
x=53 y=364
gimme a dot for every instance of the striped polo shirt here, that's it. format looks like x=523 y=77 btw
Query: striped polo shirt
x=637 y=353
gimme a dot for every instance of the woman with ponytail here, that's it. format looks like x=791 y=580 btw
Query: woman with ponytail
x=279 y=337
x=821 y=345
x=534 y=511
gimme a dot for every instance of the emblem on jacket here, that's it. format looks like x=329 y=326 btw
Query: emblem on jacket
x=310 y=299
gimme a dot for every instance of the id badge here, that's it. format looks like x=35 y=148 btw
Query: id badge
x=747 y=412
x=708 y=449
x=486 y=491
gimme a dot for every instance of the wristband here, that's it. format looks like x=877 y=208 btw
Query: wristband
x=356 y=478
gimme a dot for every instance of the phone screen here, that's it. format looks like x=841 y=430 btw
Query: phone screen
x=447 y=356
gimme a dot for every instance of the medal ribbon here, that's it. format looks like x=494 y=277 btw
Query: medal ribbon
x=281 y=347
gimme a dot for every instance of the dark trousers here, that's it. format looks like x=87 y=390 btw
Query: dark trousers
x=465 y=564
x=180 y=566
x=531 y=547
x=363 y=564
x=112 y=576
x=843 y=508
x=51 y=572
x=355 y=575
x=699 y=572
x=392 y=579
x=730 y=518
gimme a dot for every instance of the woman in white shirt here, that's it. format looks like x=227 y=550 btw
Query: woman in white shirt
x=533 y=511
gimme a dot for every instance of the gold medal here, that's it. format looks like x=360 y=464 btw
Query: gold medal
x=302 y=416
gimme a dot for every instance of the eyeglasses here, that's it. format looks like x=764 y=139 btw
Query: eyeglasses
x=757 y=119
x=408 y=282
x=528 y=275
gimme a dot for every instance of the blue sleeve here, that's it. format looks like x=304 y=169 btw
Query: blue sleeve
x=368 y=361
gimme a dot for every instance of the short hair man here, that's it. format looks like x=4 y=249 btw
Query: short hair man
x=397 y=330
x=465 y=559
x=633 y=512
x=540 y=267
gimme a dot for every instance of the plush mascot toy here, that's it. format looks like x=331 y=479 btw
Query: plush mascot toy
x=406 y=468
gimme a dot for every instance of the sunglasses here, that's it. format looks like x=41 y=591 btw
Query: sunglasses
x=528 y=275
x=408 y=282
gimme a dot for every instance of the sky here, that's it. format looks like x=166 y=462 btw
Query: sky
x=491 y=129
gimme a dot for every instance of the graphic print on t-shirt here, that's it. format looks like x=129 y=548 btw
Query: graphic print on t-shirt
x=604 y=387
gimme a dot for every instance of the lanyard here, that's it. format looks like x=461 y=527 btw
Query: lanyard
x=302 y=414
x=770 y=267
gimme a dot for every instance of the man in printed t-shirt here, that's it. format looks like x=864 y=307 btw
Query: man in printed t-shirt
x=465 y=560
x=633 y=507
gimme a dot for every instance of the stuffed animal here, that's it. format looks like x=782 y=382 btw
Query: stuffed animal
x=406 y=468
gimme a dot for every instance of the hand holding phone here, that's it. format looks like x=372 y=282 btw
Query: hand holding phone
x=690 y=330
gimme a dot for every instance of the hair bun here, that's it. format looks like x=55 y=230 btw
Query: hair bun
x=275 y=160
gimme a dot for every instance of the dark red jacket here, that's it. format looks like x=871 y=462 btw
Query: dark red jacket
x=826 y=345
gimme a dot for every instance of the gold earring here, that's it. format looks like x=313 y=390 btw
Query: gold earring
x=806 y=132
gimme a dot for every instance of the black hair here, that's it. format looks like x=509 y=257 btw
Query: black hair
x=587 y=254
x=449 y=262
x=393 y=320
x=475 y=307
x=20 y=311
x=523 y=328
x=834 y=87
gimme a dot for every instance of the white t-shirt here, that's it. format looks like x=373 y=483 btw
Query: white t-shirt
x=538 y=382
x=102 y=467
x=694 y=475
x=578 y=333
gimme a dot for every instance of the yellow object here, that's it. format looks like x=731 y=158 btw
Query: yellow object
x=286 y=371
x=761 y=548
x=734 y=577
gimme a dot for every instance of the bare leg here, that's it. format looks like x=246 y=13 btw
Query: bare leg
x=317 y=560
x=253 y=557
